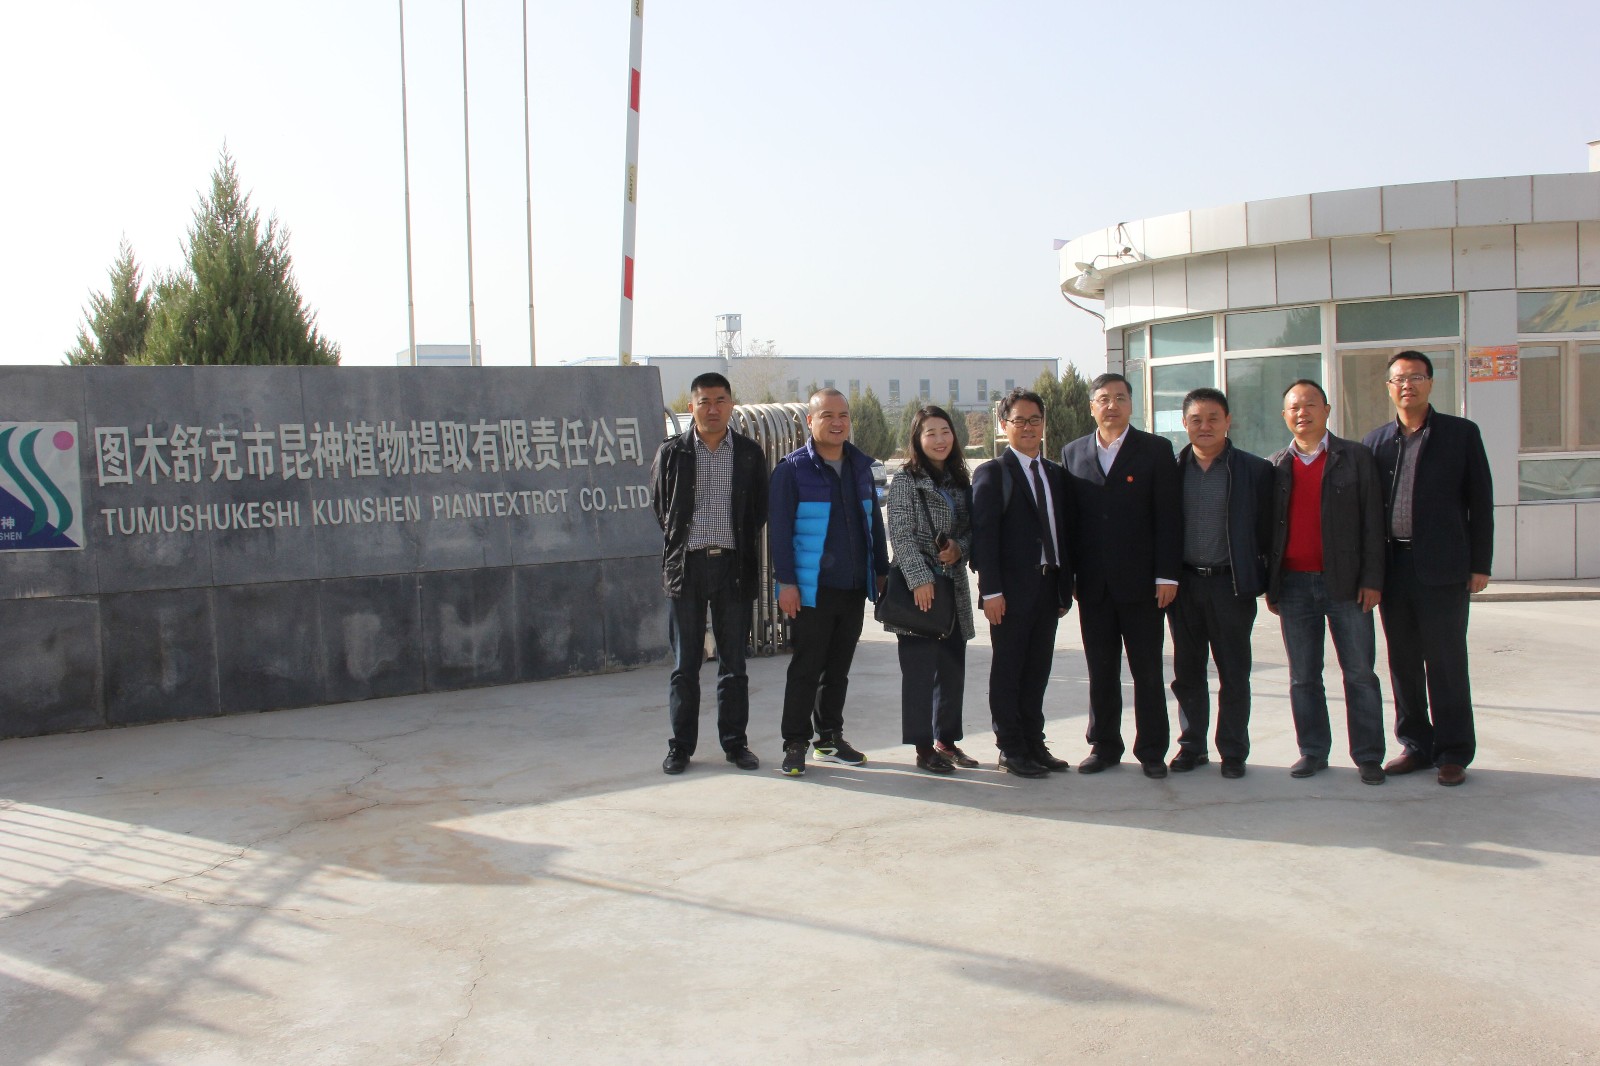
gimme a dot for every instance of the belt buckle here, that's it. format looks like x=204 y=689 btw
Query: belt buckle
x=715 y=550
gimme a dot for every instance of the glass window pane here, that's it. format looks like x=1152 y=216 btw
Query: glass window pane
x=1541 y=397
x=1445 y=387
x=1589 y=395
x=1255 y=398
x=1168 y=386
x=1396 y=320
x=1192 y=336
x=1558 y=479
x=1362 y=403
x=1574 y=311
x=1133 y=344
x=1290 y=327
x=1134 y=372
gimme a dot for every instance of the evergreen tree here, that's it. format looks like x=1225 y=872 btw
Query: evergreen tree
x=1066 y=407
x=236 y=301
x=870 y=427
x=116 y=321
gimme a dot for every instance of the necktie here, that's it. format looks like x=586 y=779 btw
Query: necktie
x=1044 y=515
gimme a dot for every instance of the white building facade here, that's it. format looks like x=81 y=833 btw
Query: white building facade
x=1496 y=279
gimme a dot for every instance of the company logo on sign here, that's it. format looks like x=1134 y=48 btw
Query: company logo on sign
x=41 y=500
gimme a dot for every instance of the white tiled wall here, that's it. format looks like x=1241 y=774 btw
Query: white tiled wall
x=1494 y=201
x=1427 y=205
x=1547 y=255
x=1215 y=228
x=1566 y=197
x=1486 y=258
x=1252 y=278
x=1421 y=261
x=1208 y=282
x=1303 y=274
x=1279 y=221
x=1546 y=541
x=1589 y=253
x=1504 y=566
x=1588 y=539
x=1167 y=235
x=1360 y=267
x=1348 y=212
x=1171 y=289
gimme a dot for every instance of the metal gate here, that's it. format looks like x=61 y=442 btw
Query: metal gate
x=779 y=428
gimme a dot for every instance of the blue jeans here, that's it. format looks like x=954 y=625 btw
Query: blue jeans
x=1306 y=614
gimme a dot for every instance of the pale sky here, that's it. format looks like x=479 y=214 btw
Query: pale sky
x=866 y=177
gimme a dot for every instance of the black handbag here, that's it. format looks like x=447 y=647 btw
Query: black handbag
x=898 y=607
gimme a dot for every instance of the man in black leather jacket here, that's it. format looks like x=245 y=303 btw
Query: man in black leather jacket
x=709 y=492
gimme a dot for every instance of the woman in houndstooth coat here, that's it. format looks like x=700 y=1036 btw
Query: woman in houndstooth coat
x=933 y=671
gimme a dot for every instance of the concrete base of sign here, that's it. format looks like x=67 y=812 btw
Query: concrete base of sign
x=166 y=654
x=504 y=875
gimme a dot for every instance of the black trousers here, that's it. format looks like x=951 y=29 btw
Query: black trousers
x=709 y=581
x=1208 y=621
x=1425 y=627
x=1110 y=628
x=933 y=677
x=824 y=639
x=1024 y=646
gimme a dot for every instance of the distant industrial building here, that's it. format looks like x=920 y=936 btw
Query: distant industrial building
x=968 y=383
x=1496 y=279
x=439 y=355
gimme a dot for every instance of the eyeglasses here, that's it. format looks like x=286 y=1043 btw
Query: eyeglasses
x=1408 y=379
x=1110 y=401
x=1032 y=423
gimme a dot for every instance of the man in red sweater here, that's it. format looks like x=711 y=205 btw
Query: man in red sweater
x=1326 y=575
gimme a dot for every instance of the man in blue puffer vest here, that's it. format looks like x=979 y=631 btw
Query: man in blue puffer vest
x=829 y=555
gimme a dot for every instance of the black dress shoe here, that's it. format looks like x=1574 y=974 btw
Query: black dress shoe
x=744 y=759
x=1232 y=767
x=1371 y=773
x=1022 y=766
x=1307 y=765
x=676 y=761
x=1155 y=769
x=1095 y=763
x=1042 y=756
x=1187 y=760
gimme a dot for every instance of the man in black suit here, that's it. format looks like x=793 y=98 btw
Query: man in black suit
x=1439 y=509
x=1129 y=553
x=1021 y=515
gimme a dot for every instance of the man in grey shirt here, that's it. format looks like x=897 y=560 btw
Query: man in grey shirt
x=1227 y=513
x=709 y=491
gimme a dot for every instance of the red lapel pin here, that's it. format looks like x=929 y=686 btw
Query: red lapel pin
x=1130 y=479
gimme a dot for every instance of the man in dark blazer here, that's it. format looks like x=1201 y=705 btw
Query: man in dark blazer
x=1021 y=518
x=1127 y=559
x=1439 y=513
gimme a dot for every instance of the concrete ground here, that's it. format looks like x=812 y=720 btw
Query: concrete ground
x=505 y=876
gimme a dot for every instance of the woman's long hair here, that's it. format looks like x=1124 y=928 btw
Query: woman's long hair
x=955 y=465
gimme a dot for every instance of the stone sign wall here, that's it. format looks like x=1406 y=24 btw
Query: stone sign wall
x=187 y=541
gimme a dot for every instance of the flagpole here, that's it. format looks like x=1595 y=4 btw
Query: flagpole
x=527 y=167
x=630 y=186
x=405 y=155
x=466 y=150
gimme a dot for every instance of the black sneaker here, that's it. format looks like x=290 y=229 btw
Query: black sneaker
x=744 y=759
x=794 y=759
x=837 y=749
x=676 y=762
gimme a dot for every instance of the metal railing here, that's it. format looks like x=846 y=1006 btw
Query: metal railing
x=779 y=428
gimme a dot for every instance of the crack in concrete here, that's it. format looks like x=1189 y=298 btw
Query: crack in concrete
x=471 y=997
